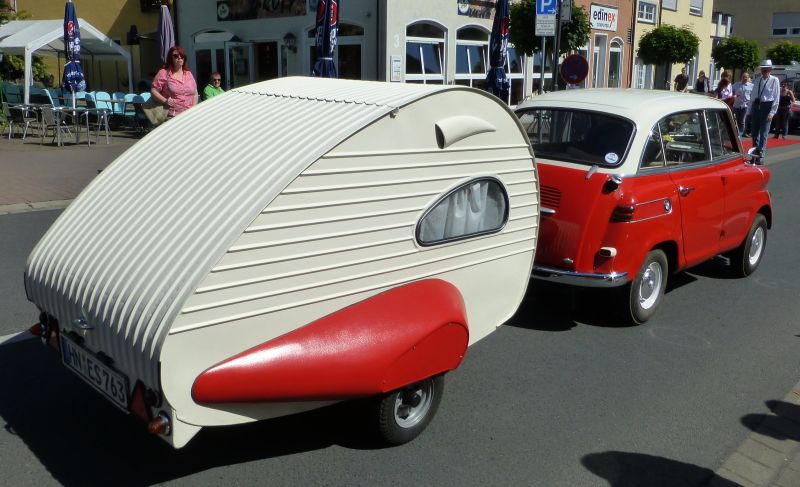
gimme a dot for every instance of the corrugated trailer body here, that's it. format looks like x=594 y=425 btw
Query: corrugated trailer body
x=275 y=206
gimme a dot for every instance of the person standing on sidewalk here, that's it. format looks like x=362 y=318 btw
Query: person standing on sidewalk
x=785 y=102
x=741 y=102
x=681 y=81
x=763 y=106
x=703 y=84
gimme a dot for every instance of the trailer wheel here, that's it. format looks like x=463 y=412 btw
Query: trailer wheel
x=404 y=413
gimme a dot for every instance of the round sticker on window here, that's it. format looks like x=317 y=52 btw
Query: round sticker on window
x=612 y=158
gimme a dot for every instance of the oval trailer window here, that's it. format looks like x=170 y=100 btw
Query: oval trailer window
x=475 y=208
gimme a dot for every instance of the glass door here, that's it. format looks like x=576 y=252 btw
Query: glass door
x=239 y=64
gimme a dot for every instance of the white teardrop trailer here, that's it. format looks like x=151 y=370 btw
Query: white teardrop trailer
x=291 y=244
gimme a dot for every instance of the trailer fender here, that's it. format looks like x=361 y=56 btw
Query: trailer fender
x=387 y=341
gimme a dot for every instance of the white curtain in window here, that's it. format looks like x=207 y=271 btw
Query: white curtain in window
x=475 y=208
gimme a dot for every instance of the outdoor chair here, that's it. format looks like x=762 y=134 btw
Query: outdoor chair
x=97 y=118
x=119 y=108
x=57 y=122
x=103 y=100
x=20 y=115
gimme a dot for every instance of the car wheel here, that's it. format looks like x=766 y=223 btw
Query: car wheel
x=746 y=258
x=404 y=413
x=647 y=288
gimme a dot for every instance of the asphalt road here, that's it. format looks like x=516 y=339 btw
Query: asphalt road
x=560 y=396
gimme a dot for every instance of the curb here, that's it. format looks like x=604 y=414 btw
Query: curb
x=770 y=455
x=36 y=206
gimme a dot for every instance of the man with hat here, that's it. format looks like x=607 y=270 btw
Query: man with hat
x=763 y=106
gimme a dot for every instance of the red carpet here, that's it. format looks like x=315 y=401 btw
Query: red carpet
x=771 y=143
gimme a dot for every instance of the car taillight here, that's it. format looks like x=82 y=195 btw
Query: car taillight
x=795 y=107
x=622 y=214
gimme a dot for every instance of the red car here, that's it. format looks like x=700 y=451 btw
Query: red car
x=636 y=185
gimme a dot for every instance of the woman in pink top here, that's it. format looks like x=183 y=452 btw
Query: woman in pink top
x=174 y=85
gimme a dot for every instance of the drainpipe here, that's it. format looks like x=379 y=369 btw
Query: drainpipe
x=632 y=56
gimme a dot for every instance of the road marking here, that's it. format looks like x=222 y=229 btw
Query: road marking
x=16 y=337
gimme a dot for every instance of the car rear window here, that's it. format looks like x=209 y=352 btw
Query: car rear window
x=585 y=137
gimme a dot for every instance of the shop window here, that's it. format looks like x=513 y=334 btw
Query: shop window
x=472 y=46
x=478 y=207
x=615 y=64
x=424 y=54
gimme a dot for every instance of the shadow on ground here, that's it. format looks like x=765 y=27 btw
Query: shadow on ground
x=623 y=469
x=782 y=424
x=557 y=307
x=65 y=424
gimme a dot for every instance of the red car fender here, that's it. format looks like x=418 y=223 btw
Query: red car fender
x=385 y=342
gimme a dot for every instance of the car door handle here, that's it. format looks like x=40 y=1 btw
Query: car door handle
x=685 y=190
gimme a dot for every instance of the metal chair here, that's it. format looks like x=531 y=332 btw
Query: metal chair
x=56 y=120
x=97 y=117
x=21 y=115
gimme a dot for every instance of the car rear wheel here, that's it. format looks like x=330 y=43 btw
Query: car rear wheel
x=746 y=258
x=404 y=413
x=647 y=289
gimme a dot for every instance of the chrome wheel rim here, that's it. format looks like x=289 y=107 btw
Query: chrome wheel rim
x=650 y=285
x=756 y=246
x=413 y=403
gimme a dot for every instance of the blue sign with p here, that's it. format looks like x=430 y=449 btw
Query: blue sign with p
x=546 y=7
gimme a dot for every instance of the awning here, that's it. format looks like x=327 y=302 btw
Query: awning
x=46 y=38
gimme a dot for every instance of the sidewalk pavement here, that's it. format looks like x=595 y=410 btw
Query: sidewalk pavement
x=36 y=177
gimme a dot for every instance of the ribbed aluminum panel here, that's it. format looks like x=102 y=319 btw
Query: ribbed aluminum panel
x=346 y=226
x=130 y=249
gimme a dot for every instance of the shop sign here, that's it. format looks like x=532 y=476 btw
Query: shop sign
x=603 y=18
x=480 y=9
x=240 y=10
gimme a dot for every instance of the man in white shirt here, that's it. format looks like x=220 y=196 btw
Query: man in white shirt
x=741 y=102
x=763 y=106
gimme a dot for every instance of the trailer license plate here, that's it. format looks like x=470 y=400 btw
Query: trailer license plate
x=100 y=376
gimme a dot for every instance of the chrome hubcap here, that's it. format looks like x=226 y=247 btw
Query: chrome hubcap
x=756 y=246
x=413 y=403
x=651 y=284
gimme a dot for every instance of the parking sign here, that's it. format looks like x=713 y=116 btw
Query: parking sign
x=546 y=7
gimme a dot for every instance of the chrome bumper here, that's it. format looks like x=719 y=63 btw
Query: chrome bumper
x=583 y=279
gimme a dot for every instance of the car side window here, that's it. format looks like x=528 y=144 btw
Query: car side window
x=720 y=133
x=475 y=208
x=653 y=154
x=683 y=135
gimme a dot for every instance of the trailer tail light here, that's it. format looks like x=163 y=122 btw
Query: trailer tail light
x=160 y=425
x=38 y=330
x=622 y=214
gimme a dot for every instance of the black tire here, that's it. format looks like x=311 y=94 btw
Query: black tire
x=404 y=413
x=646 y=291
x=746 y=258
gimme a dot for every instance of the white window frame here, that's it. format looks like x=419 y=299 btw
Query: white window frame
x=515 y=76
x=616 y=45
x=696 y=10
x=646 y=12
x=441 y=47
x=309 y=43
x=791 y=30
x=670 y=5
x=471 y=77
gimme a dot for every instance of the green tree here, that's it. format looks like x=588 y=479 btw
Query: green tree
x=13 y=67
x=784 y=52
x=668 y=45
x=574 y=33
x=735 y=53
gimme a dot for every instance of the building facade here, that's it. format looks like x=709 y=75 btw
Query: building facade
x=766 y=22
x=115 y=18
x=411 y=41
x=609 y=50
x=697 y=15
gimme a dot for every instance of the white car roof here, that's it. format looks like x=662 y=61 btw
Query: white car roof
x=641 y=106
